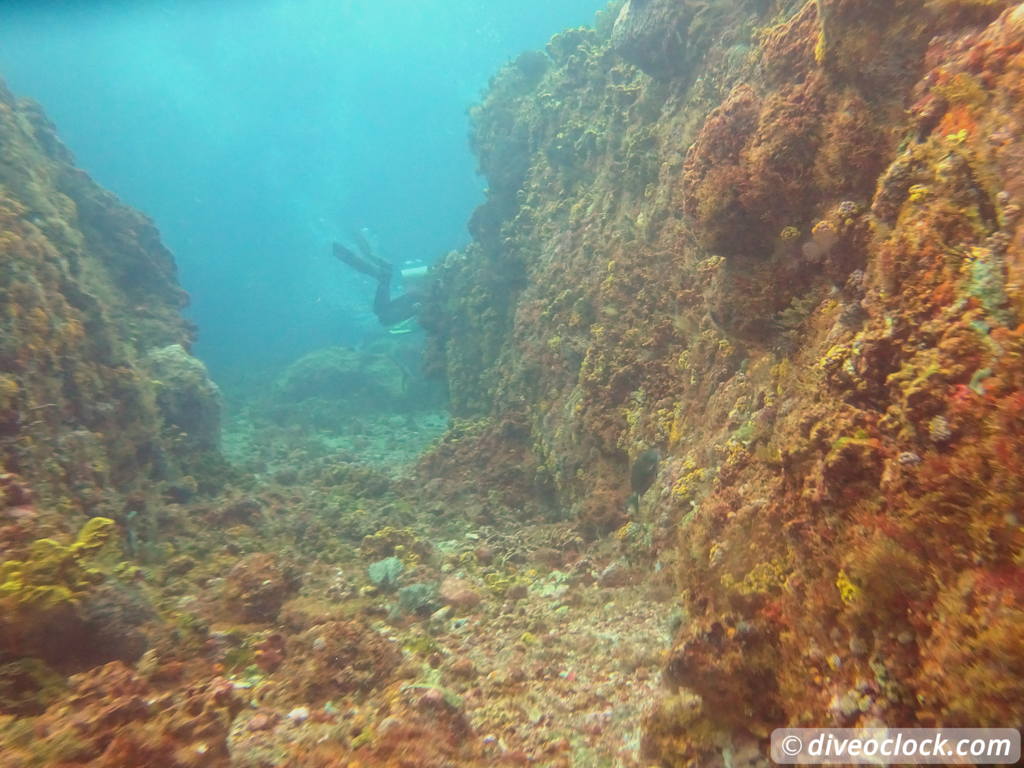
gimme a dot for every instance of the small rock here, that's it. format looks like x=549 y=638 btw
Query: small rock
x=439 y=618
x=179 y=565
x=256 y=588
x=459 y=594
x=549 y=557
x=462 y=668
x=262 y=721
x=442 y=614
x=433 y=698
x=517 y=591
x=849 y=705
x=299 y=714
x=858 y=647
x=615 y=575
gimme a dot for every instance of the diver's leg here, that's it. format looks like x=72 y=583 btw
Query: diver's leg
x=382 y=298
x=372 y=268
x=366 y=248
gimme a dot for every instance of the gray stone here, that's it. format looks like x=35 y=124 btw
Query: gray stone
x=651 y=34
x=358 y=379
x=188 y=399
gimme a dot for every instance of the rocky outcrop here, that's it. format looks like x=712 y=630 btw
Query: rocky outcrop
x=87 y=292
x=357 y=379
x=102 y=409
x=187 y=399
x=795 y=270
x=652 y=34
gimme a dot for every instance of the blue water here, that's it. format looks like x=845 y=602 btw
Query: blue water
x=256 y=132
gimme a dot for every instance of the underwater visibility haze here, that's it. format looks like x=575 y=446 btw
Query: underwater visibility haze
x=255 y=133
x=429 y=384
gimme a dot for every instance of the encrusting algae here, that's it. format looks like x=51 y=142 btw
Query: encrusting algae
x=790 y=257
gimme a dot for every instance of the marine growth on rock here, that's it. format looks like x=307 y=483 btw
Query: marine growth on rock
x=734 y=439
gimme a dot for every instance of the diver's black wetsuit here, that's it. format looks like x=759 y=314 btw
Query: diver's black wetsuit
x=388 y=311
x=393 y=311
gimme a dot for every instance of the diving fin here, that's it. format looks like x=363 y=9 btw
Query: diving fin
x=373 y=268
x=362 y=238
x=368 y=249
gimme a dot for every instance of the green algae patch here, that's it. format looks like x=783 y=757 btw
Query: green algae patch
x=384 y=574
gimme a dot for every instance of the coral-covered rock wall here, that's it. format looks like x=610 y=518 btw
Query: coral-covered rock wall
x=88 y=297
x=782 y=243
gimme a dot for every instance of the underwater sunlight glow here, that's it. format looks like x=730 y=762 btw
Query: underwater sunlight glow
x=257 y=132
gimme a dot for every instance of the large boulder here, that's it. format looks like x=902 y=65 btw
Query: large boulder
x=359 y=380
x=188 y=400
x=651 y=34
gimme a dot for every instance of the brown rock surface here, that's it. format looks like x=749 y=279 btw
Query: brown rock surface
x=86 y=292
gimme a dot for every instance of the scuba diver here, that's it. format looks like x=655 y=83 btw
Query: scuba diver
x=395 y=313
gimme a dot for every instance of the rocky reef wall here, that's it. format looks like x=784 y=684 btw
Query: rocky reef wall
x=99 y=399
x=781 y=242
